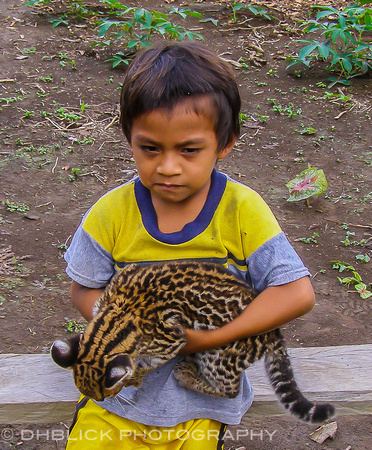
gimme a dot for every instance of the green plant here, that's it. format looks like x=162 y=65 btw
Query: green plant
x=310 y=240
x=263 y=118
x=256 y=10
x=290 y=110
x=243 y=117
x=346 y=241
x=136 y=26
x=16 y=207
x=337 y=97
x=349 y=242
x=63 y=114
x=83 y=106
x=138 y=29
x=118 y=58
x=74 y=327
x=84 y=141
x=272 y=73
x=346 y=50
x=28 y=114
x=59 y=21
x=9 y=100
x=75 y=172
x=28 y=51
x=363 y=258
x=307 y=130
x=309 y=182
x=46 y=79
x=355 y=280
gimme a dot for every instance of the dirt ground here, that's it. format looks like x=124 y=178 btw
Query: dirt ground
x=54 y=166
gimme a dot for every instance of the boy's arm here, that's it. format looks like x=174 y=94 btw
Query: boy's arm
x=272 y=308
x=84 y=298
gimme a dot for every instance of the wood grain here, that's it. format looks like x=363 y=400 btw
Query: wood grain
x=33 y=389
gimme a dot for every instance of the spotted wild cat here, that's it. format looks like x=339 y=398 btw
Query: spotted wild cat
x=138 y=326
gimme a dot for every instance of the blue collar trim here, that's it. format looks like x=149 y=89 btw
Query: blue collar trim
x=190 y=230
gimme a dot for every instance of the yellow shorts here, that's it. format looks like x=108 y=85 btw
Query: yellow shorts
x=96 y=428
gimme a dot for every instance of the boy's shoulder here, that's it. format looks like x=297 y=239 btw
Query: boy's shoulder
x=123 y=191
x=241 y=194
x=244 y=205
x=111 y=203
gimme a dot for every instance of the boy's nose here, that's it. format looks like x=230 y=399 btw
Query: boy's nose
x=169 y=165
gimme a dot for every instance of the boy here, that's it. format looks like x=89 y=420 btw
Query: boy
x=180 y=114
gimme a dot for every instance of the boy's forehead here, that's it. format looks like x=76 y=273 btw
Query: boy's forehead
x=201 y=105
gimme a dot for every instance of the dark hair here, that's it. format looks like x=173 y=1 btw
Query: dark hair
x=162 y=77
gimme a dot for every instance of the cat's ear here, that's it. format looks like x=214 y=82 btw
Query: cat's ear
x=117 y=371
x=65 y=353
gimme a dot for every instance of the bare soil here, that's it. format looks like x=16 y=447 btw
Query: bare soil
x=59 y=167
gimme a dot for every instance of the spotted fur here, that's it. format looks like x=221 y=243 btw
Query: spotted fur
x=138 y=326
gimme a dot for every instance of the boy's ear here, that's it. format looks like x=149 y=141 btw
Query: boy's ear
x=225 y=151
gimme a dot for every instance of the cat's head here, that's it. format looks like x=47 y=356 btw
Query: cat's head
x=96 y=375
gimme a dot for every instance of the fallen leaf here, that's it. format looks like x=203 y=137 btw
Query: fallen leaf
x=324 y=432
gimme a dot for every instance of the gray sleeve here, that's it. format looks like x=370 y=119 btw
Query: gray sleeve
x=274 y=263
x=88 y=263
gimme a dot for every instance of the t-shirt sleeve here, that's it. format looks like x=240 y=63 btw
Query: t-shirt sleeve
x=274 y=263
x=88 y=263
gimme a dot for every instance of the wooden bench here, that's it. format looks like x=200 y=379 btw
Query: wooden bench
x=35 y=390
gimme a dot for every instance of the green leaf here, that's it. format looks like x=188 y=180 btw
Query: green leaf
x=347 y=65
x=341 y=266
x=238 y=6
x=106 y=25
x=37 y=2
x=58 y=21
x=133 y=43
x=308 y=131
x=148 y=17
x=361 y=288
x=309 y=182
x=323 y=51
x=114 y=4
x=139 y=13
x=334 y=80
x=306 y=51
x=214 y=21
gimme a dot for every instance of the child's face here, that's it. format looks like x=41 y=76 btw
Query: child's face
x=175 y=151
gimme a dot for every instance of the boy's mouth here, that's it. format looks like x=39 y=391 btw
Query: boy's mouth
x=168 y=187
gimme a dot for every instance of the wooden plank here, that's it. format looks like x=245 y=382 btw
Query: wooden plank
x=340 y=375
x=34 y=390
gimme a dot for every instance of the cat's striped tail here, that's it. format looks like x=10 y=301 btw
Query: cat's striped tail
x=280 y=373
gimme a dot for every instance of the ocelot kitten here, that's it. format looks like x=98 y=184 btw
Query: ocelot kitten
x=138 y=326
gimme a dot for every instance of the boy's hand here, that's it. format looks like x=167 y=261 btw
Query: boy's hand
x=198 y=341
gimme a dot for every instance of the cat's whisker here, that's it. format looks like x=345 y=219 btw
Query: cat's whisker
x=124 y=400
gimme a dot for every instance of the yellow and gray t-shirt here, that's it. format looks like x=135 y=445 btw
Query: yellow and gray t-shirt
x=235 y=228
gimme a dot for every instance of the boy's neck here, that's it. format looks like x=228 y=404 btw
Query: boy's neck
x=173 y=216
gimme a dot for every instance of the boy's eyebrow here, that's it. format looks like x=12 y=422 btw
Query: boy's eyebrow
x=193 y=141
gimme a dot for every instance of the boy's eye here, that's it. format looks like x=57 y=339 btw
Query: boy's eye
x=149 y=148
x=190 y=151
